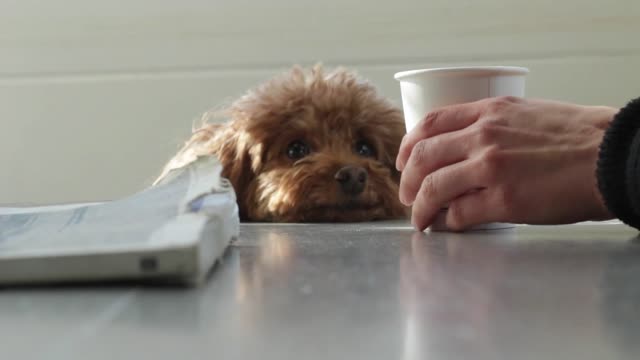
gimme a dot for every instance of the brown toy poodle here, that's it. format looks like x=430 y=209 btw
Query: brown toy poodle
x=307 y=146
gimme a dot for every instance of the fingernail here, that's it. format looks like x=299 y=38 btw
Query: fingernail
x=417 y=225
x=405 y=201
x=398 y=164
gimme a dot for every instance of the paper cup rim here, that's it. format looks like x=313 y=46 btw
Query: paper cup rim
x=464 y=70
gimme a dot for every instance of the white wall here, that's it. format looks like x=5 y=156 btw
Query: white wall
x=96 y=95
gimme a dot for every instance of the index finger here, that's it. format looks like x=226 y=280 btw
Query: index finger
x=439 y=121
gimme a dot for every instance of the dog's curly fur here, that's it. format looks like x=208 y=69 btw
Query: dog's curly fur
x=331 y=115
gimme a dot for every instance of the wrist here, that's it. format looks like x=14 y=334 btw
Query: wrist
x=602 y=116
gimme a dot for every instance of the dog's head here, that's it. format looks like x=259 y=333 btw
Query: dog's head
x=311 y=146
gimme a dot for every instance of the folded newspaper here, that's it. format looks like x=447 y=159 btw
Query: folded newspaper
x=174 y=231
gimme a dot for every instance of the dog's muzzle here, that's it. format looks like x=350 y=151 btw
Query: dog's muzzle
x=352 y=179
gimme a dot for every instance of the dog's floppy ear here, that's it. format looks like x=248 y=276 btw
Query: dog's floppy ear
x=224 y=142
x=233 y=149
x=195 y=147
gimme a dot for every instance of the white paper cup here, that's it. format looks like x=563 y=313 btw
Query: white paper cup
x=427 y=89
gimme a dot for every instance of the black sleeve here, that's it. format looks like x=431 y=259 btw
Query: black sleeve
x=618 y=167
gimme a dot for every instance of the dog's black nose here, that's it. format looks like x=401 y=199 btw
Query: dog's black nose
x=352 y=179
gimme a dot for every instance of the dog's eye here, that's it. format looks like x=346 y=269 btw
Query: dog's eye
x=365 y=149
x=297 y=150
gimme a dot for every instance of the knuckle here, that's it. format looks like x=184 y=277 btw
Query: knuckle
x=429 y=186
x=495 y=121
x=486 y=133
x=430 y=121
x=492 y=163
x=493 y=156
x=420 y=152
x=455 y=218
x=510 y=99
x=500 y=104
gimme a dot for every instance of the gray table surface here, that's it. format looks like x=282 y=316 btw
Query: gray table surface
x=358 y=291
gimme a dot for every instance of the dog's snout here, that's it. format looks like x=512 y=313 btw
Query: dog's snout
x=352 y=179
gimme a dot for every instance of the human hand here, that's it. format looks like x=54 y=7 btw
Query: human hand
x=504 y=160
